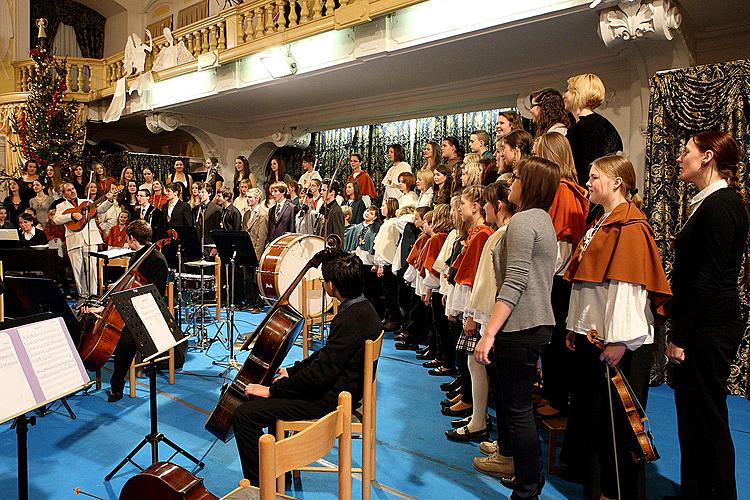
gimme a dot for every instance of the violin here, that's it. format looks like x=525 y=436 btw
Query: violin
x=641 y=440
x=98 y=342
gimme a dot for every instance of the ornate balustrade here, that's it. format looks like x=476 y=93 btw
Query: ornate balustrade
x=234 y=33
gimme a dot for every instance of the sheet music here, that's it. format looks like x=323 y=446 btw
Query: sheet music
x=49 y=352
x=150 y=314
x=15 y=392
x=113 y=253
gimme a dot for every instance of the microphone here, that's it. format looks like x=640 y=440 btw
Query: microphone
x=355 y=142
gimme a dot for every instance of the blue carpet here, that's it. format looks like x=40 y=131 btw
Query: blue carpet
x=413 y=459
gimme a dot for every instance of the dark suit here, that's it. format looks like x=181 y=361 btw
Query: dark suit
x=180 y=219
x=707 y=323
x=334 y=220
x=280 y=223
x=211 y=215
x=231 y=219
x=154 y=218
x=154 y=269
x=313 y=385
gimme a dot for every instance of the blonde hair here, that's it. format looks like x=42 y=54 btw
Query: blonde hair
x=347 y=211
x=255 y=192
x=425 y=175
x=472 y=168
x=553 y=146
x=427 y=217
x=405 y=210
x=586 y=91
x=441 y=218
x=618 y=166
x=458 y=223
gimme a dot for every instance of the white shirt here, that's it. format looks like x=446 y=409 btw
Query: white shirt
x=29 y=235
x=390 y=181
x=704 y=193
x=619 y=311
x=170 y=207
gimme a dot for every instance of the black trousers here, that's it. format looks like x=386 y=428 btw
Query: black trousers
x=124 y=355
x=252 y=417
x=390 y=290
x=516 y=355
x=252 y=295
x=556 y=357
x=588 y=438
x=707 y=467
x=418 y=321
x=446 y=341
x=373 y=290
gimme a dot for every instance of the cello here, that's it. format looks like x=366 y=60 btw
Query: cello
x=275 y=335
x=98 y=344
x=640 y=439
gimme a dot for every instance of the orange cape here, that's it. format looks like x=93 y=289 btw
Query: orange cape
x=623 y=249
x=569 y=210
x=468 y=260
x=431 y=251
x=416 y=249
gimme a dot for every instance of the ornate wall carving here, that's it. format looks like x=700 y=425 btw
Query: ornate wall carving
x=631 y=20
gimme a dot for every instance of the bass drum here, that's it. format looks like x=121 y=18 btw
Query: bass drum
x=280 y=264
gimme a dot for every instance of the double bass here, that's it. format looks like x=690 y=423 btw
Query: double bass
x=275 y=335
x=98 y=342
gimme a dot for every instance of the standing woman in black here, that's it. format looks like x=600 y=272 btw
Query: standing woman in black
x=707 y=322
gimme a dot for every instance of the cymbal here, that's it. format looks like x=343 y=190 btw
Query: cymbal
x=201 y=263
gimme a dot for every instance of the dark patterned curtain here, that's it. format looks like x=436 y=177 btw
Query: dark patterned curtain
x=684 y=102
x=161 y=165
x=330 y=145
x=87 y=23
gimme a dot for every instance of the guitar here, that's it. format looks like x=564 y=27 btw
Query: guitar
x=83 y=207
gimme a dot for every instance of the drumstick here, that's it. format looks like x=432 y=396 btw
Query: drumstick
x=79 y=491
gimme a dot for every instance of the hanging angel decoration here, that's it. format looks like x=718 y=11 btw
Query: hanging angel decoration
x=171 y=54
x=134 y=62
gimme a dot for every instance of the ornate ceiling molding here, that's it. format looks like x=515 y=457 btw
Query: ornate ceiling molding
x=632 y=20
x=160 y=122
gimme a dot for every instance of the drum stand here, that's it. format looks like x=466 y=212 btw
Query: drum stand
x=203 y=340
x=229 y=312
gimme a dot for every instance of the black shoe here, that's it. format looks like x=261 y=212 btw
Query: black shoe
x=432 y=363
x=453 y=394
x=403 y=346
x=463 y=434
x=449 y=386
x=461 y=422
x=113 y=397
x=425 y=354
x=391 y=326
x=442 y=372
x=401 y=337
x=424 y=350
x=449 y=402
x=448 y=412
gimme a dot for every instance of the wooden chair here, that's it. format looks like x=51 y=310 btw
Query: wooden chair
x=277 y=457
x=314 y=318
x=136 y=366
x=555 y=434
x=365 y=429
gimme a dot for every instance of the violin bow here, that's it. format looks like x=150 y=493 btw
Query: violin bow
x=612 y=422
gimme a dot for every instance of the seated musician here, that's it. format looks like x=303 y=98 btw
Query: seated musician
x=154 y=270
x=27 y=233
x=309 y=389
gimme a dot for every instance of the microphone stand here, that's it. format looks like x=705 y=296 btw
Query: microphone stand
x=85 y=253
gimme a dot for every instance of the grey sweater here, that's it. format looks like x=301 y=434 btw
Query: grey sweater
x=524 y=267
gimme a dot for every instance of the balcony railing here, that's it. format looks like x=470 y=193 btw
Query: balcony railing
x=235 y=33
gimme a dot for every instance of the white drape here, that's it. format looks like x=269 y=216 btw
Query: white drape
x=65 y=43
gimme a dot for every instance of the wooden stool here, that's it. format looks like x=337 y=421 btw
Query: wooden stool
x=555 y=430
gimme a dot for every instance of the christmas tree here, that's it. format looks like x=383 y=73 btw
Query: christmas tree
x=46 y=126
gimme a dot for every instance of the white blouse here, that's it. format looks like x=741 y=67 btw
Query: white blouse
x=390 y=181
x=385 y=243
x=619 y=311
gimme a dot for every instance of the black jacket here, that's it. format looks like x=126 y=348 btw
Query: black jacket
x=212 y=216
x=334 y=220
x=231 y=219
x=279 y=224
x=154 y=268
x=181 y=216
x=708 y=254
x=337 y=366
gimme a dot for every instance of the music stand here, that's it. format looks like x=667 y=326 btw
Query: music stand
x=146 y=318
x=27 y=346
x=233 y=247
